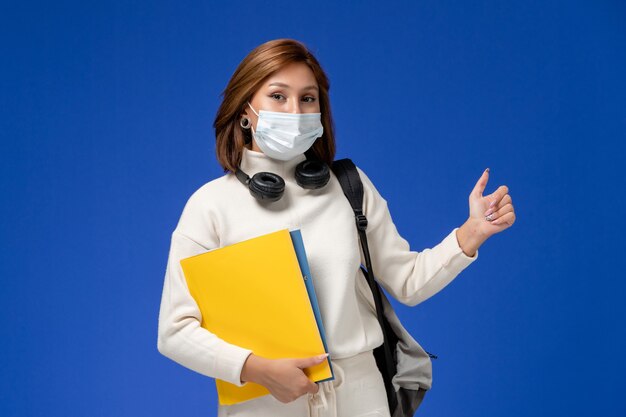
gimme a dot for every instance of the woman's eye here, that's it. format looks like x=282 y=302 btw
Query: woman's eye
x=276 y=96
x=309 y=99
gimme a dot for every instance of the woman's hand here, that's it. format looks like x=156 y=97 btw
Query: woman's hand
x=284 y=378
x=488 y=215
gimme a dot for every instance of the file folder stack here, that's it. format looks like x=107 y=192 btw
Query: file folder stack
x=259 y=294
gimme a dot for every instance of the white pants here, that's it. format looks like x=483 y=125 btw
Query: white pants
x=358 y=390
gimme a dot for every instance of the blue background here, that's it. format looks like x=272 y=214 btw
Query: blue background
x=106 y=121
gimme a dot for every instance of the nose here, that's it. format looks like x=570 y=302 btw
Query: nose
x=296 y=107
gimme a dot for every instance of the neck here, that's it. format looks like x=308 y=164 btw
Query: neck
x=256 y=161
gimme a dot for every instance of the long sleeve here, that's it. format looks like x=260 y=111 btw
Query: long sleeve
x=410 y=276
x=180 y=336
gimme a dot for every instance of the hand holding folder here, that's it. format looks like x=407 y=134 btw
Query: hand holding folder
x=258 y=294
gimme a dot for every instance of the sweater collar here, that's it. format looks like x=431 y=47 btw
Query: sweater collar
x=253 y=162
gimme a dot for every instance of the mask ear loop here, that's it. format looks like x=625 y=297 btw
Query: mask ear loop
x=257 y=114
x=248 y=126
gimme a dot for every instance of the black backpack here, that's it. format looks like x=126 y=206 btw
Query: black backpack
x=406 y=367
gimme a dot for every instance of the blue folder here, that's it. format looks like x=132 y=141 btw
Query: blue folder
x=298 y=245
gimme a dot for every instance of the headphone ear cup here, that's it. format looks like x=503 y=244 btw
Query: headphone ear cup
x=312 y=174
x=266 y=186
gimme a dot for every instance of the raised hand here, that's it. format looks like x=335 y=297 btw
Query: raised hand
x=496 y=209
x=488 y=215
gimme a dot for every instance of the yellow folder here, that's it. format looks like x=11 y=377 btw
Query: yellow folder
x=253 y=294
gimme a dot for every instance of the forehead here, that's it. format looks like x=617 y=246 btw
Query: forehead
x=295 y=75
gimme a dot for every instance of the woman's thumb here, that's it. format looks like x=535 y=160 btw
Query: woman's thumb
x=313 y=360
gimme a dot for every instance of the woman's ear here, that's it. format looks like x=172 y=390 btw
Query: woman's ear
x=248 y=114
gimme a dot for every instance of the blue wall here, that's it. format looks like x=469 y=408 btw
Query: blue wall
x=106 y=114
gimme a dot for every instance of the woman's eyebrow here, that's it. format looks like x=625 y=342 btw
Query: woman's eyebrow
x=309 y=87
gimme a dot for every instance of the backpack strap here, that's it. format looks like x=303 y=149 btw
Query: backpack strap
x=350 y=182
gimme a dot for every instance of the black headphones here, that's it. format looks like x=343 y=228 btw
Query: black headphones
x=266 y=186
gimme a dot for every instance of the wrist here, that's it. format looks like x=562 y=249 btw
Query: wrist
x=251 y=369
x=469 y=237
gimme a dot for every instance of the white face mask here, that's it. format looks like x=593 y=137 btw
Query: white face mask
x=284 y=136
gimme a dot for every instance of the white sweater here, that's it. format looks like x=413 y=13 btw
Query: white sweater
x=223 y=212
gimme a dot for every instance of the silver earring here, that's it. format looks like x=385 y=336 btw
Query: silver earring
x=245 y=123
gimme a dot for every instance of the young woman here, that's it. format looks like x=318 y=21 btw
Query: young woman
x=275 y=116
